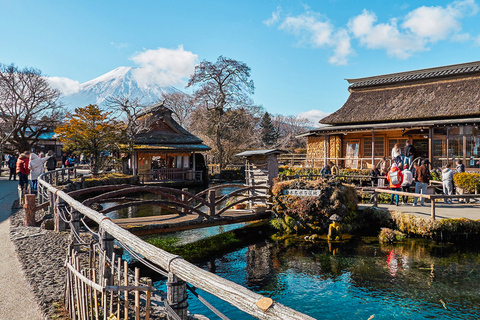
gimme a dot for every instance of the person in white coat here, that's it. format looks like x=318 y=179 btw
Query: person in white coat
x=407 y=182
x=36 y=166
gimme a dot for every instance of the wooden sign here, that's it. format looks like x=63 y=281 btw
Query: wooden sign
x=302 y=193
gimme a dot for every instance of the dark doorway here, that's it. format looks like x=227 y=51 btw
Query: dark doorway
x=421 y=146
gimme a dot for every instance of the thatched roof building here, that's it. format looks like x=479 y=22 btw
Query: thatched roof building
x=164 y=150
x=420 y=106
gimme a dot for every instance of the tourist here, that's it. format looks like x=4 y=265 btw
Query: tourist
x=23 y=171
x=36 y=166
x=333 y=168
x=447 y=181
x=422 y=178
x=51 y=163
x=383 y=166
x=409 y=151
x=406 y=183
x=374 y=173
x=64 y=160
x=326 y=170
x=397 y=154
x=460 y=166
x=395 y=177
x=12 y=165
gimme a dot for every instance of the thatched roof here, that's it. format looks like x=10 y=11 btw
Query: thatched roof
x=437 y=93
x=161 y=131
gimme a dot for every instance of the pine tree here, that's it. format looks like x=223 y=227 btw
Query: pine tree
x=269 y=134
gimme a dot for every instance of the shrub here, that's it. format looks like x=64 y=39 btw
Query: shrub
x=467 y=181
x=390 y=236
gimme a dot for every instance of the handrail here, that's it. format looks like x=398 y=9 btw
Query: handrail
x=233 y=293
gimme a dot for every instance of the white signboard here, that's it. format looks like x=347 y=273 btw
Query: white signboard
x=302 y=193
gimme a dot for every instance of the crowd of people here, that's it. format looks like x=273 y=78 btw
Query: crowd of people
x=401 y=175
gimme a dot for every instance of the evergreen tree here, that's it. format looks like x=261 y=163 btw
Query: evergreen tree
x=269 y=134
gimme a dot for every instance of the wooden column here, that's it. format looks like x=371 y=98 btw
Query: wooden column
x=177 y=295
x=184 y=200
x=464 y=149
x=432 y=212
x=211 y=201
x=325 y=151
x=30 y=210
x=75 y=226
x=448 y=138
x=373 y=150
x=59 y=223
x=51 y=207
x=106 y=242
x=430 y=146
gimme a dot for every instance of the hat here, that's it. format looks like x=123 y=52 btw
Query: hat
x=394 y=165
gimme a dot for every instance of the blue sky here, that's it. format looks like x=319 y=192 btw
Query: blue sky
x=300 y=52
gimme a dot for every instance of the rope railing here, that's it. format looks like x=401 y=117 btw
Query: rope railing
x=177 y=268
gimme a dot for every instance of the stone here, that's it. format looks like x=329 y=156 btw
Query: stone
x=48 y=224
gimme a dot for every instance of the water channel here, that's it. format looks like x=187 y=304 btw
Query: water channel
x=357 y=279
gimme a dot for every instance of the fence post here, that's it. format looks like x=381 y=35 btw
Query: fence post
x=433 y=207
x=75 y=223
x=177 y=296
x=30 y=210
x=59 y=223
x=184 y=200
x=106 y=242
x=51 y=198
x=211 y=202
x=375 y=199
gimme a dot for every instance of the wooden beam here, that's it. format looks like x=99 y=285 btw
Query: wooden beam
x=325 y=150
x=373 y=150
x=430 y=146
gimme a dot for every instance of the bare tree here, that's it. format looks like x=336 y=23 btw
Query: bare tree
x=128 y=108
x=222 y=86
x=287 y=128
x=29 y=107
x=182 y=106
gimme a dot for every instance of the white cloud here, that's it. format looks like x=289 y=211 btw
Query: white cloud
x=314 y=116
x=274 y=18
x=318 y=31
x=400 y=37
x=164 y=67
x=65 y=85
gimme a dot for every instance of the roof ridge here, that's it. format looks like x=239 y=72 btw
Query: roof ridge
x=453 y=69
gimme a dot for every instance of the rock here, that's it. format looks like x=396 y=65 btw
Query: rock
x=48 y=224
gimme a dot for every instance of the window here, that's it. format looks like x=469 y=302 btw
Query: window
x=379 y=147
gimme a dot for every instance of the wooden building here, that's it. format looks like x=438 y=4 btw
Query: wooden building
x=436 y=109
x=164 y=151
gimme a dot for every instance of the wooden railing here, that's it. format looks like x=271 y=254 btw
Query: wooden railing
x=431 y=197
x=164 y=175
x=67 y=210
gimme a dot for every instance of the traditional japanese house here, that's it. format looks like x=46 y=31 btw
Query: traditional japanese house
x=164 y=151
x=436 y=109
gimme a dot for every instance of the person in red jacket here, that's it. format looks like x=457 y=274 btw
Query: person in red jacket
x=22 y=169
x=395 y=177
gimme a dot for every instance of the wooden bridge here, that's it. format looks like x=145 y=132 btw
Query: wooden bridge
x=180 y=274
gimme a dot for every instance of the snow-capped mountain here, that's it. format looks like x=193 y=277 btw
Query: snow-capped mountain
x=120 y=81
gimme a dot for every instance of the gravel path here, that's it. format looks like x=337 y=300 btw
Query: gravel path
x=42 y=254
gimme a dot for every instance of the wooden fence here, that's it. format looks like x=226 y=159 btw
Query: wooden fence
x=69 y=212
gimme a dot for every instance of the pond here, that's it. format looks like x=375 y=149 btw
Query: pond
x=360 y=279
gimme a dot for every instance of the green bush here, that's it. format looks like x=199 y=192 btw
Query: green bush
x=390 y=236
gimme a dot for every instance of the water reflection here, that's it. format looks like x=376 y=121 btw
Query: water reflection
x=415 y=280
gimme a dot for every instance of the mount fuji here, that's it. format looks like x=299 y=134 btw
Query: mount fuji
x=120 y=81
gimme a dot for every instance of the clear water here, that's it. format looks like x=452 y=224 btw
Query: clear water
x=418 y=279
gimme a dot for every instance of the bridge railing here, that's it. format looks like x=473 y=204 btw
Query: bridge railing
x=68 y=211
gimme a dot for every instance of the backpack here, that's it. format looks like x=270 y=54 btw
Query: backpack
x=394 y=178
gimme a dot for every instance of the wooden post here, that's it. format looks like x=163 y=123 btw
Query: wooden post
x=433 y=207
x=430 y=146
x=75 y=225
x=30 y=210
x=59 y=223
x=106 y=242
x=464 y=148
x=137 y=294
x=375 y=199
x=177 y=295
x=211 y=201
x=324 y=150
x=51 y=207
x=184 y=200
x=373 y=150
